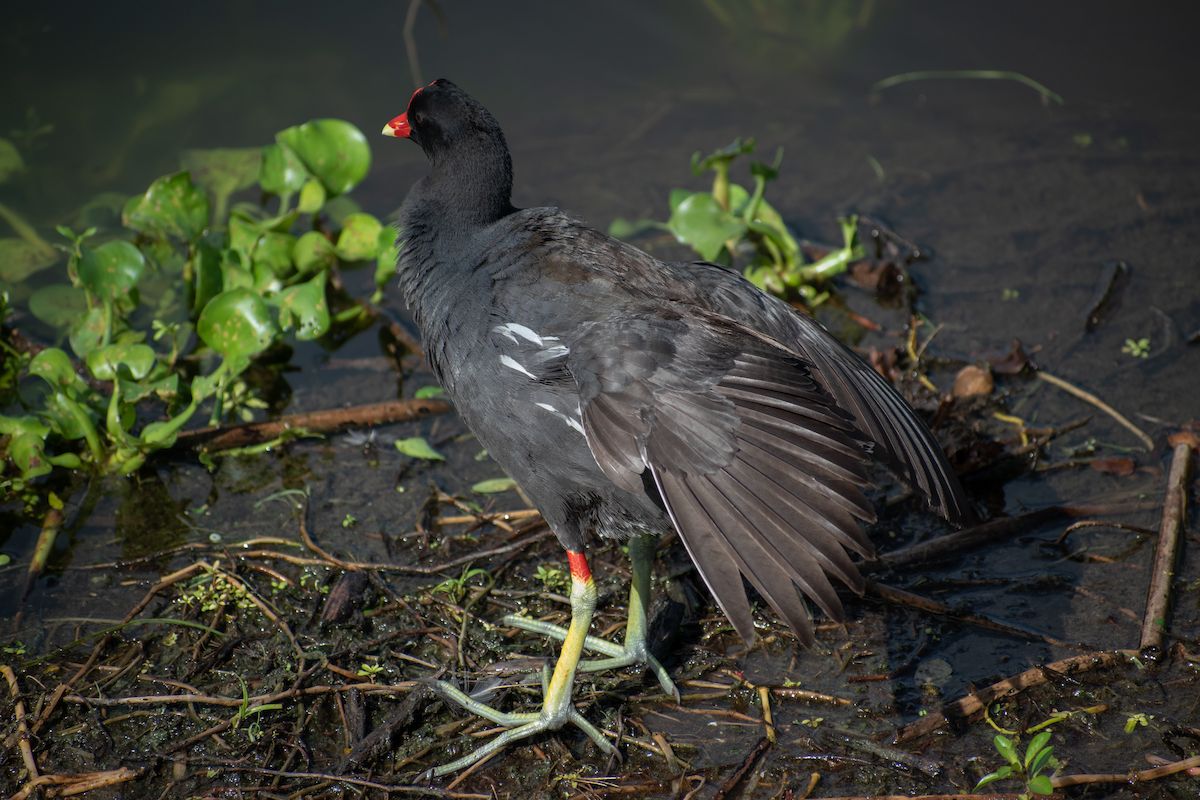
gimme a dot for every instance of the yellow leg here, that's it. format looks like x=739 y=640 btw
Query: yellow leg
x=557 y=709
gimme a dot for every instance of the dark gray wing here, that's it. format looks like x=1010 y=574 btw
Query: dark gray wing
x=757 y=466
x=896 y=437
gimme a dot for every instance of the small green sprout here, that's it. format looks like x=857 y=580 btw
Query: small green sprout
x=1008 y=295
x=349 y=521
x=1133 y=720
x=457 y=587
x=1137 y=349
x=553 y=578
x=1038 y=756
x=369 y=671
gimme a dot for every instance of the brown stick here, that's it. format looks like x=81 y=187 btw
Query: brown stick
x=1130 y=778
x=223 y=437
x=1166 y=556
x=976 y=701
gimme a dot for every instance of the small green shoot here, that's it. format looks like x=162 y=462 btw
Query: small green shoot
x=553 y=578
x=1008 y=295
x=369 y=671
x=1038 y=756
x=349 y=521
x=1134 y=720
x=457 y=587
x=1138 y=349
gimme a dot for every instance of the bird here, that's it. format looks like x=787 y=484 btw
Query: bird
x=631 y=397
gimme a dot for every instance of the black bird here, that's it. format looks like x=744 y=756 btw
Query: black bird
x=632 y=397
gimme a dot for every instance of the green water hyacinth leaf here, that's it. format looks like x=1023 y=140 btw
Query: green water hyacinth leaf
x=305 y=307
x=223 y=171
x=137 y=359
x=208 y=279
x=274 y=251
x=359 y=239
x=417 y=447
x=333 y=150
x=14 y=426
x=389 y=250
x=312 y=197
x=282 y=170
x=165 y=389
x=111 y=270
x=243 y=234
x=701 y=222
x=28 y=455
x=54 y=366
x=494 y=486
x=313 y=253
x=88 y=332
x=19 y=259
x=237 y=324
x=172 y=206
x=58 y=305
x=65 y=420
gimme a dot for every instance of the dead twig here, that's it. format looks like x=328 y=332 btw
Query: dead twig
x=1166 y=556
x=1098 y=403
x=224 y=437
x=978 y=700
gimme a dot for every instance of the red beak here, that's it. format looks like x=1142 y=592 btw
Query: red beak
x=398 y=127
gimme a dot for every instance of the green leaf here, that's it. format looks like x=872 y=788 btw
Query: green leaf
x=58 y=305
x=304 y=306
x=208 y=279
x=63 y=420
x=313 y=253
x=54 y=366
x=723 y=156
x=172 y=206
x=1035 y=746
x=1006 y=748
x=111 y=270
x=389 y=251
x=223 y=171
x=494 y=486
x=138 y=359
x=677 y=196
x=312 y=197
x=418 y=448
x=237 y=323
x=13 y=426
x=426 y=392
x=27 y=452
x=992 y=777
x=333 y=150
x=88 y=332
x=164 y=389
x=19 y=259
x=359 y=239
x=1040 y=785
x=274 y=251
x=701 y=222
x=282 y=170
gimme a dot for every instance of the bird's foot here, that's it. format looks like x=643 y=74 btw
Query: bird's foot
x=618 y=656
x=557 y=710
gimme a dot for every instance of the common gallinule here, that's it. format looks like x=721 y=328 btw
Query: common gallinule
x=632 y=397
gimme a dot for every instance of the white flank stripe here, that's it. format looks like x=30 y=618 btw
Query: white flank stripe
x=512 y=363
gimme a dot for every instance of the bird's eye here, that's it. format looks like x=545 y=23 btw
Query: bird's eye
x=419 y=117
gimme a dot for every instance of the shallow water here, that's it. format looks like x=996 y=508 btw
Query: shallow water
x=1018 y=200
